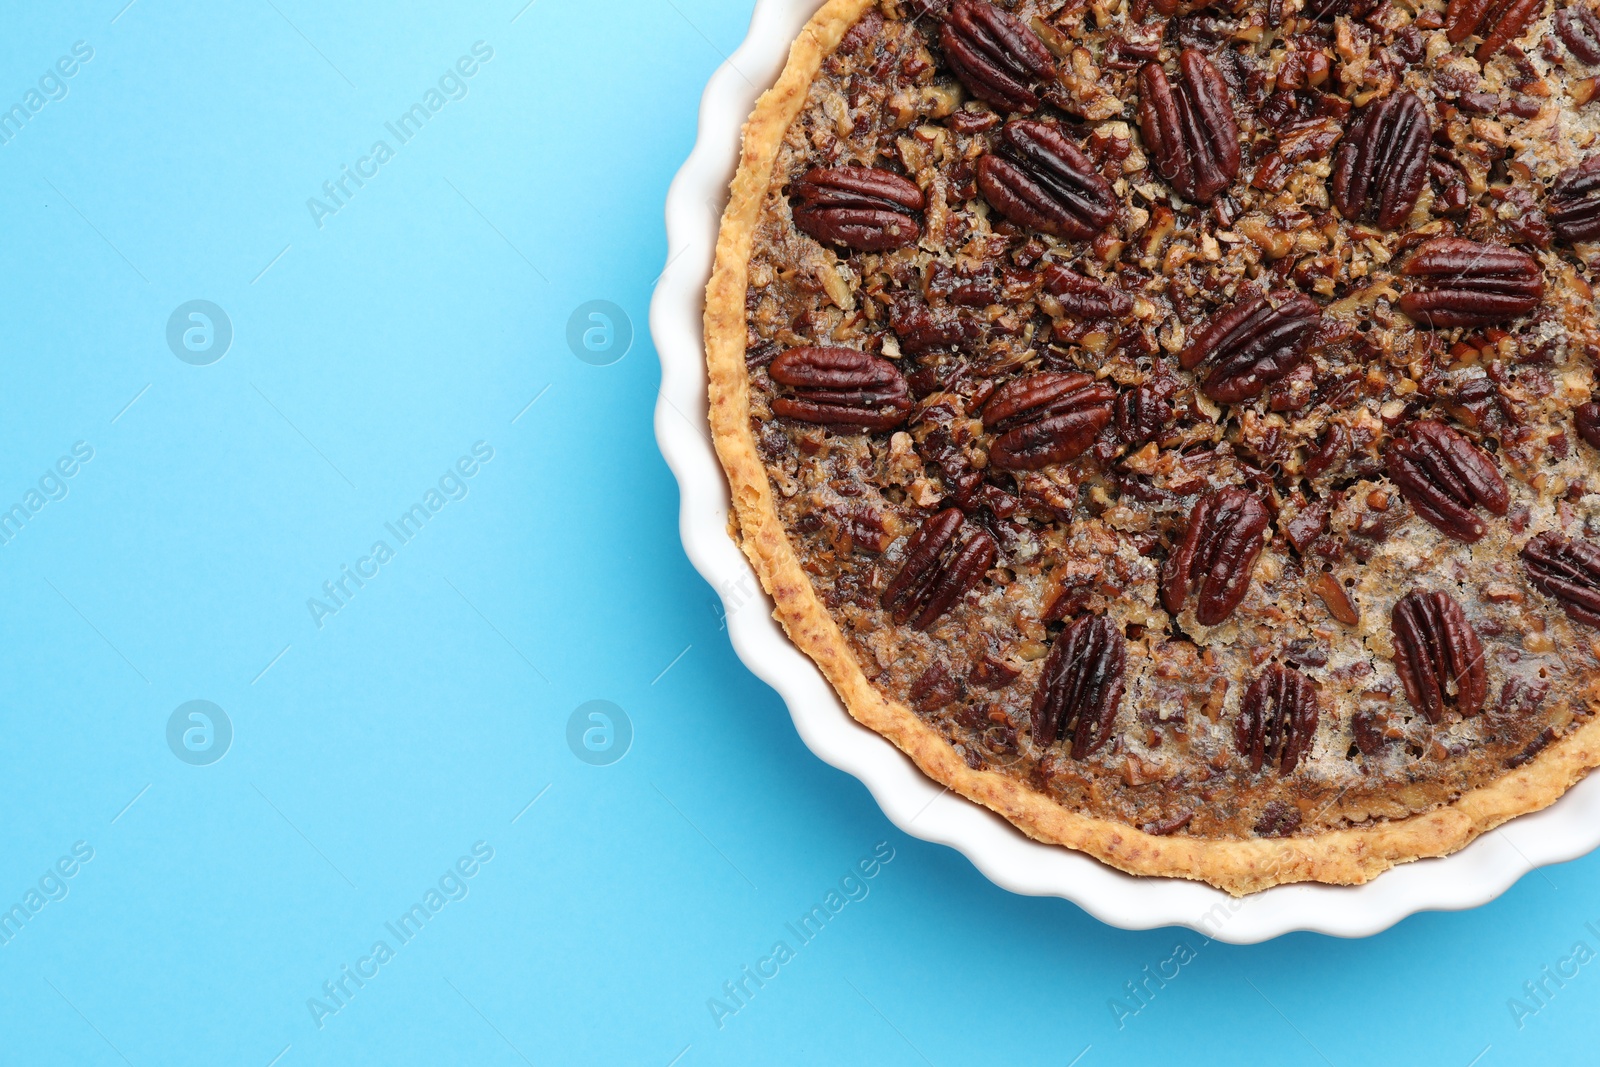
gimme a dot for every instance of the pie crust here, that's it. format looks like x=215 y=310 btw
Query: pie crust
x=1247 y=864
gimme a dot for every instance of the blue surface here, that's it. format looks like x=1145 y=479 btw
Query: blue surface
x=375 y=747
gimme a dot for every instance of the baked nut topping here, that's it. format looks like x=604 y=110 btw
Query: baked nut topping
x=1574 y=210
x=1252 y=345
x=995 y=56
x=840 y=387
x=1045 y=418
x=863 y=208
x=1438 y=656
x=1081 y=687
x=1277 y=720
x=1568 y=571
x=1579 y=29
x=1043 y=180
x=1498 y=22
x=936 y=573
x=1175 y=424
x=1586 y=420
x=1084 y=298
x=1190 y=127
x=1466 y=283
x=1446 y=478
x=1217 y=555
x=1383 y=161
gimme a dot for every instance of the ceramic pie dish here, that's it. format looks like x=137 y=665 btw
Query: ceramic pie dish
x=1215 y=760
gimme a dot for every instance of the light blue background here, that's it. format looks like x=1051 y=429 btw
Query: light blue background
x=372 y=752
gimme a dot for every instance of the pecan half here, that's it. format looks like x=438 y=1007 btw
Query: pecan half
x=1367 y=731
x=1278 y=720
x=1081 y=687
x=1217 y=555
x=935 y=572
x=1464 y=283
x=1382 y=163
x=840 y=387
x=1438 y=655
x=1045 y=418
x=861 y=208
x=1499 y=22
x=1043 y=180
x=1573 y=209
x=1084 y=298
x=1586 y=420
x=995 y=56
x=1446 y=478
x=1580 y=32
x=1253 y=344
x=1568 y=571
x=1190 y=127
x=1144 y=411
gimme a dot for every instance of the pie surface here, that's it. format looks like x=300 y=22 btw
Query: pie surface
x=1170 y=425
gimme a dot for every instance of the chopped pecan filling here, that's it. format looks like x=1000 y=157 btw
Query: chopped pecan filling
x=1184 y=407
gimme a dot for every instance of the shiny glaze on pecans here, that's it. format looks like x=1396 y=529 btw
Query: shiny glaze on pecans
x=1042 y=180
x=1190 y=126
x=1082 y=297
x=1573 y=209
x=938 y=569
x=995 y=56
x=1045 y=418
x=1382 y=164
x=1081 y=687
x=1216 y=556
x=1446 y=478
x=1253 y=344
x=1144 y=411
x=1277 y=720
x=1438 y=656
x=1586 y=420
x=1568 y=571
x=840 y=387
x=860 y=208
x=1465 y=283
x=1579 y=29
x=1498 y=22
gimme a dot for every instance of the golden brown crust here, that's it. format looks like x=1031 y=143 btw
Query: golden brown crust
x=1346 y=857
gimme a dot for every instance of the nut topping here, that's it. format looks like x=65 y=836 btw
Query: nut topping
x=1143 y=412
x=1190 y=127
x=1382 y=164
x=840 y=387
x=1044 y=181
x=1081 y=686
x=1278 y=720
x=1573 y=209
x=1464 y=283
x=1438 y=656
x=935 y=573
x=1586 y=420
x=861 y=208
x=1217 y=555
x=1568 y=571
x=1579 y=29
x=1253 y=344
x=995 y=56
x=1498 y=22
x=1446 y=477
x=1045 y=418
x=1084 y=298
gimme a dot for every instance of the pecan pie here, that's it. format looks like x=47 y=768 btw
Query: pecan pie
x=1169 y=421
